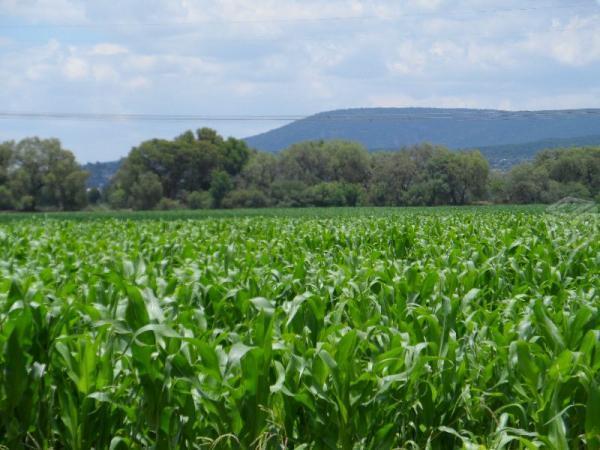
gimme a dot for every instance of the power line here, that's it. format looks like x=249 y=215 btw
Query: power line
x=407 y=115
x=400 y=16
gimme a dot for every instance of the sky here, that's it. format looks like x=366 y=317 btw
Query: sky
x=281 y=57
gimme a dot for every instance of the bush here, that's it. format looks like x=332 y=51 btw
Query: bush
x=245 y=198
x=199 y=200
x=288 y=193
x=117 y=199
x=354 y=194
x=326 y=194
x=27 y=203
x=166 y=204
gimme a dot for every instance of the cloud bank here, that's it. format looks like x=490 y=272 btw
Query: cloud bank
x=284 y=57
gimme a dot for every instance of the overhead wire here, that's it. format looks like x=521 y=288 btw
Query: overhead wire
x=409 y=114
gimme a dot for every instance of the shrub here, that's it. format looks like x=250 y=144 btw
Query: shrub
x=26 y=203
x=326 y=194
x=245 y=198
x=117 y=199
x=166 y=204
x=199 y=200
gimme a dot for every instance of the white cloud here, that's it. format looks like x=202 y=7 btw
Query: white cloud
x=104 y=73
x=75 y=68
x=108 y=49
x=244 y=88
x=408 y=60
x=429 y=4
x=138 y=83
x=53 y=11
x=576 y=43
x=391 y=101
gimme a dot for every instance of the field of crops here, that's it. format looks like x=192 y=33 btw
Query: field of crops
x=415 y=329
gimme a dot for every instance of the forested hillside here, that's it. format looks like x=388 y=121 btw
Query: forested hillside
x=393 y=128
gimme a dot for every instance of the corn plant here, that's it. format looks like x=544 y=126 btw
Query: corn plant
x=422 y=329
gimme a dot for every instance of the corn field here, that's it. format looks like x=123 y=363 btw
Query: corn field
x=452 y=329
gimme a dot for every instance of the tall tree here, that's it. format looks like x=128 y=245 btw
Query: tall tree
x=45 y=174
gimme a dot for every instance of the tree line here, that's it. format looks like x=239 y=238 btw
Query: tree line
x=38 y=174
x=201 y=170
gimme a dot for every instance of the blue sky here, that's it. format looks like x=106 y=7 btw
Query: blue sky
x=276 y=57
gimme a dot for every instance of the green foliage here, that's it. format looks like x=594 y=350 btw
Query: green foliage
x=117 y=198
x=38 y=173
x=166 y=204
x=555 y=174
x=337 y=328
x=199 y=200
x=220 y=185
x=245 y=198
x=186 y=164
x=146 y=192
x=343 y=173
x=7 y=200
x=334 y=194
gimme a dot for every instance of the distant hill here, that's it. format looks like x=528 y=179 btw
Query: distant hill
x=393 y=128
x=101 y=172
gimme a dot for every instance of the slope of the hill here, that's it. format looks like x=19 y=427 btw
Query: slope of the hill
x=392 y=128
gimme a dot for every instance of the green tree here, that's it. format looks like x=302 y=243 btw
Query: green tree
x=393 y=173
x=526 y=182
x=117 y=198
x=6 y=159
x=305 y=162
x=146 y=192
x=199 y=200
x=349 y=161
x=259 y=172
x=7 y=201
x=220 y=185
x=64 y=181
x=184 y=164
x=47 y=175
x=234 y=155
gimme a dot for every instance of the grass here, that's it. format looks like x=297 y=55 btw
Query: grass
x=370 y=328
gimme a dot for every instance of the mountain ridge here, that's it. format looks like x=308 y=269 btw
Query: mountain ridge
x=393 y=128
